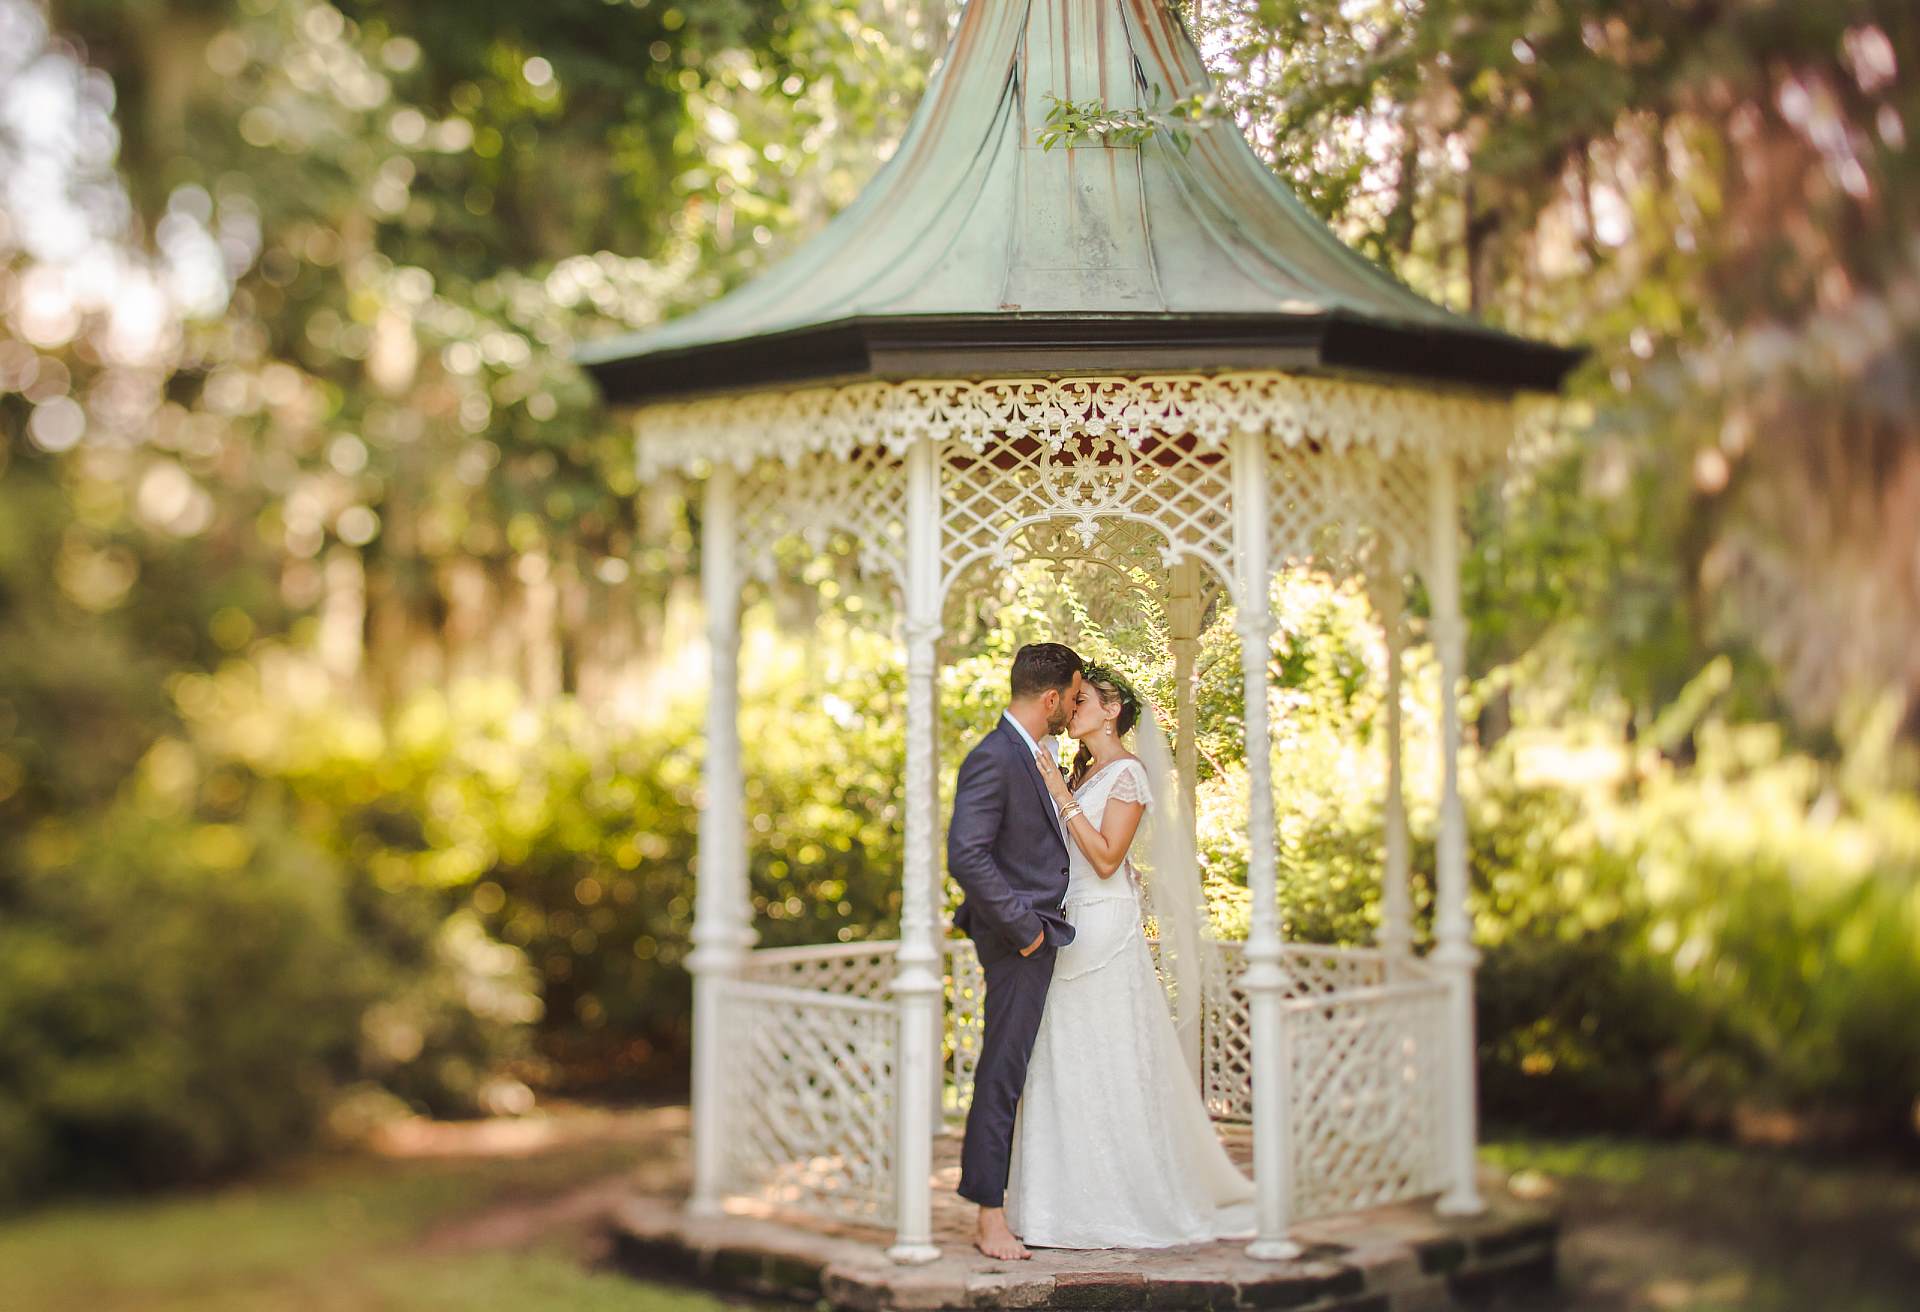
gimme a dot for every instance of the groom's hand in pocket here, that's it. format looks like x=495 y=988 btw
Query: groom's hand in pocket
x=1034 y=946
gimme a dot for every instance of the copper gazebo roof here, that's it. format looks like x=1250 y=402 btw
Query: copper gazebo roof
x=974 y=252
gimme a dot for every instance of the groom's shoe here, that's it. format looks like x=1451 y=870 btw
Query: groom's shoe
x=992 y=1237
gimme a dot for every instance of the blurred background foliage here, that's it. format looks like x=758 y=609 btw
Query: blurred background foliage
x=350 y=683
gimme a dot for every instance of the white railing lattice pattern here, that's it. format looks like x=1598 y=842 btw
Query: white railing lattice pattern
x=809 y=1101
x=810 y=1076
x=1368 y=1074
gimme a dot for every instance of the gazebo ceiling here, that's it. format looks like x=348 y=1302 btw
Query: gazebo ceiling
x=975 y=253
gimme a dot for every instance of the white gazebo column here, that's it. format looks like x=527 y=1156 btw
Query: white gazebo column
x=917 y=987
x=1396 y=892
x=1184 y=605
x=1265 y=980
x=937 y=882
x=1454 y=955
x=722 y=917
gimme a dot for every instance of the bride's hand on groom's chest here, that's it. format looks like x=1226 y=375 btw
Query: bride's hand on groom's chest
x=1050 y=773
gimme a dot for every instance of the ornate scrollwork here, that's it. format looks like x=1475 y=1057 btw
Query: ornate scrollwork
x=821 y=495
x=1093 y=481
x=999 y=502
x=1346 y=464
x=688 y=435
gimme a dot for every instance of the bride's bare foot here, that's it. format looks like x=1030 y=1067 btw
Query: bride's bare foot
x=993 y=1238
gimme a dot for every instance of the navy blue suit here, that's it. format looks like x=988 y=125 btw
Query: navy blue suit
x=1005 y=849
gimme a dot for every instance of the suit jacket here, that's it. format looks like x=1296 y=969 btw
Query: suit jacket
x=1004 y=846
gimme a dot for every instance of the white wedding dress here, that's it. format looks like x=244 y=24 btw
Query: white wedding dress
x=1112 y=1144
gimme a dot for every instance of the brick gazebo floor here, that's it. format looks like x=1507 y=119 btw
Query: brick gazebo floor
x=1398 y=1258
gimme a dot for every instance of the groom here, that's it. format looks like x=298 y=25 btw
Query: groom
x=1005 y=848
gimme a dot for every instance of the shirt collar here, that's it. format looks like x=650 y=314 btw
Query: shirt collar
x=1021 y=729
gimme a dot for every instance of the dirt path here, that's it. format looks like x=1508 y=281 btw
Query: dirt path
x=520 y=1224
x=533 y=1215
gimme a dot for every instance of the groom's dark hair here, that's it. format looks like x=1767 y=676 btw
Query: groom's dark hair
x=1044 y=667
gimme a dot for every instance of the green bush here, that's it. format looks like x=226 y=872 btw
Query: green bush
x=180 y=1000
x=186 y=999
x=1576 y=1017
x=1733 y=944
x=1785 y=897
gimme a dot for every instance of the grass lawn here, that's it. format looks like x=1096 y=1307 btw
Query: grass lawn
x=474 y=1229
x=1699 y=1227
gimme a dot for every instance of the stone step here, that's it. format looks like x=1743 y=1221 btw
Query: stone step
x=1402 y=1258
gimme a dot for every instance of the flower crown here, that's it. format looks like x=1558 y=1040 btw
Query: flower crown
x=1105 y=674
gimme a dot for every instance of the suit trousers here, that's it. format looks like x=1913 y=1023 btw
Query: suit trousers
x=1016 y=997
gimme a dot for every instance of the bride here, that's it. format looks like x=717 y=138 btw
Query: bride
x=1112 y=1145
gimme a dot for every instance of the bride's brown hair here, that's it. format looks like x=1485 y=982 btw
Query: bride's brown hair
x=1110 y=688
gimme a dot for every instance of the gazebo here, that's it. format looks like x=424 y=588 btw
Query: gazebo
x=1136 y=354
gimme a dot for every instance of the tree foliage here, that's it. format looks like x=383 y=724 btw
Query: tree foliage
x=1716 y=198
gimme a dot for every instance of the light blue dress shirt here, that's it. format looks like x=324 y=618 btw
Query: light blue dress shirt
x=1027 y=738
x=1052 y=749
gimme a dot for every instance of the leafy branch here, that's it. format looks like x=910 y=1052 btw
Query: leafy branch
x=1090 y=122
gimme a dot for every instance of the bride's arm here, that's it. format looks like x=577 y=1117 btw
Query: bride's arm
x=1106 y=847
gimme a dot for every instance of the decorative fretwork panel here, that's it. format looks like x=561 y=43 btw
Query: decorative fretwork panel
x=1310 y=514
x=1348 y=464
x=1127 y=574
x=1340 y=413
x=1346 y=511
x=1393 y=503
x=808 y=1102
x=1226 y=1035
x=1134 y=552
x=818 y=495
x=855 y=970
x=1368 y=1071
x=994 y=492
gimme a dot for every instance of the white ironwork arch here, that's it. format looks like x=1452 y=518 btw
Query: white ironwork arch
x=1127 y=558
x=1134 y=552
x=994 y=493
x=1352 y=512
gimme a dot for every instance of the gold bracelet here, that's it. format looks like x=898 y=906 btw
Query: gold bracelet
x=1069 y=811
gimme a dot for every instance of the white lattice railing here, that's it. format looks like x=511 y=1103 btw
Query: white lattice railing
x=855 y=970
x=966 y=1024
x=1365 y=1033
x=809 y=1080
x=1368 y=1077
x=1226 y=1036
x=813 y=1035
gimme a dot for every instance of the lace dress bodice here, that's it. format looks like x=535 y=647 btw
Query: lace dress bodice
x=1124 y=781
